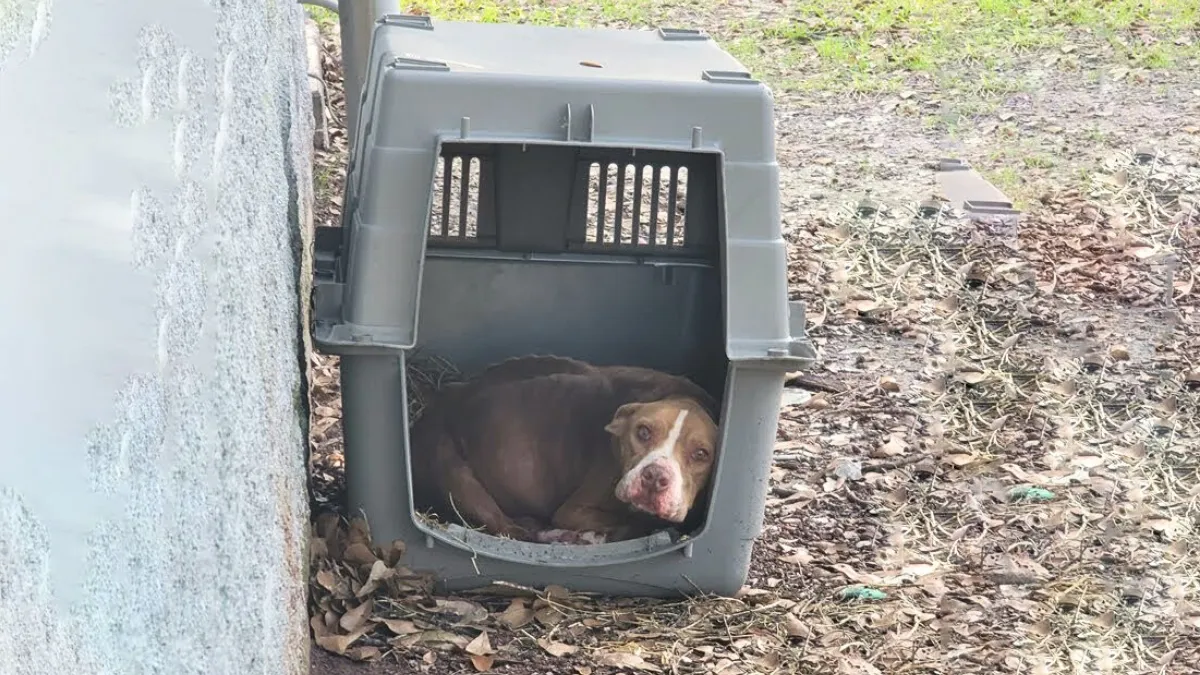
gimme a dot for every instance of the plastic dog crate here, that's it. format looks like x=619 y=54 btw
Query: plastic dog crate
x=606 y=195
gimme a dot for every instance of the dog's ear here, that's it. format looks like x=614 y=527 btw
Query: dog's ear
x=620 y=419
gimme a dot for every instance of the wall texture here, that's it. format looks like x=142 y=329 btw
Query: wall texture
x=155 y=164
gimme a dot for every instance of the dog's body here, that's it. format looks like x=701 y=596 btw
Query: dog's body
x=546 y=448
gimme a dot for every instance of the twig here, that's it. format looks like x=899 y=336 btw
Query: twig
x=887 y=464
x=813 y=383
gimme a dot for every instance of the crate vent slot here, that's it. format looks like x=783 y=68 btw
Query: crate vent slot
x=638 y=205
x=454 y=209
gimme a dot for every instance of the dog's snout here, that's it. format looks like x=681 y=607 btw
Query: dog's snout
x=655 y=478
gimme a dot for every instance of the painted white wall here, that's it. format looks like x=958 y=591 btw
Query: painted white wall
x=155 y=161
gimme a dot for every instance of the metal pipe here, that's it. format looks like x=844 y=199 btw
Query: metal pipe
x=357 y=19
x=331 y=5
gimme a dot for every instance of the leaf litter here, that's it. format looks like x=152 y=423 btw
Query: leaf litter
x=968 y=371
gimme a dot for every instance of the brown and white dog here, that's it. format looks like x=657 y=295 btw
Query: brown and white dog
x=552 y=449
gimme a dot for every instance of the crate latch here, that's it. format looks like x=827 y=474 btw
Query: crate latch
x=417 y=21
x=728 y=77
x=677 y=34
x=406 y=63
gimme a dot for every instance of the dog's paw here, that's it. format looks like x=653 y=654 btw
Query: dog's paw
x=558 y=537
x=592 y=538
x=570 y=537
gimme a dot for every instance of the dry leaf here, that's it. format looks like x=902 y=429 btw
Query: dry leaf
x=326 y=579
x=379 y=574
x=864 y=306
x=799 y=557
x=555 y=648
x=401 y=627
x=364 y=653
x=795 y=627
x=467 y=612
x=482 y=663
x=517 y=614
x=357 y=617
x=894 y=446
x=480 y=646
x=549 y=616
x=437 y=639
x=970 y=376
x=338 y=644
x=959 y=459
x=359 y=554
x=626 y=660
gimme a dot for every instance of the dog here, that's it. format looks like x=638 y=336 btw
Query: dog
x=551 y=449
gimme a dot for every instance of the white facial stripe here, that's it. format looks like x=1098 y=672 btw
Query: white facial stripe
x=664 y=453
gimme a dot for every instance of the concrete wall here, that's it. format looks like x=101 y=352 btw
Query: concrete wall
x=155 y=161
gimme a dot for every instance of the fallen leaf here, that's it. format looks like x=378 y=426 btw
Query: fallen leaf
x=795 y=627
x=958 y=459
x=467 y=612
x=856 y=665
x=326 y=579
x=555 y=648
x=800 y=557
x=364 y=653
x=436 y=639
x=626 y=660
x=517 y=614
x=480 y=646
x=549 y=616
x=338 y=644
x=918 y=569
x=355 y=618
x=482 y=663
x=864 y=306
x=970 y=376
x=894 y=446
x=380 y=573
x=359 y=554
x=401 y=627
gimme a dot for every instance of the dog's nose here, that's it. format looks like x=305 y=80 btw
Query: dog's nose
x=655 y=478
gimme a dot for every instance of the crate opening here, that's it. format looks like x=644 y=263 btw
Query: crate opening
x=608 y=255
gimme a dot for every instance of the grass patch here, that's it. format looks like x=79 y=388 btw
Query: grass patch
x=324 y=18
x=878 y=45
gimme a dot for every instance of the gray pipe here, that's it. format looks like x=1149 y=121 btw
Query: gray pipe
x=331 y=5
x=357 y=18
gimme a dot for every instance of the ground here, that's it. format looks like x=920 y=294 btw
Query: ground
x=1001 y=475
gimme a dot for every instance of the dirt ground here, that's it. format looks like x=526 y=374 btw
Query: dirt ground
x=1000 y=473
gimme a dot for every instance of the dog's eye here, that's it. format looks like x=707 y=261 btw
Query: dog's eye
x=643 y=433
x=700 y=454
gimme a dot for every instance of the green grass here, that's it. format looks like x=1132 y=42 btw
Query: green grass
x=880 y=45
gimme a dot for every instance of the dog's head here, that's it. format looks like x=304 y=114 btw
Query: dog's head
x=667 y=449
